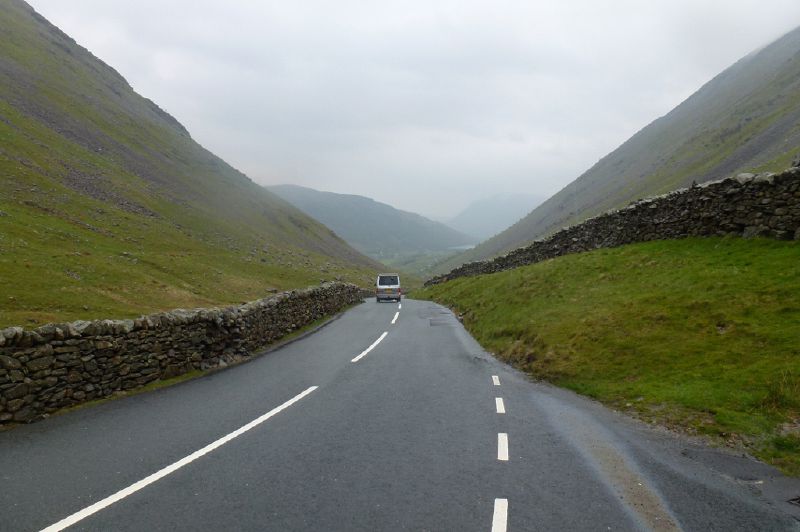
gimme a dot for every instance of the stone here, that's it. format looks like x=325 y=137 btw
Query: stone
x=66 y=349
x=8 y=362
x=41 y=363
x=15 y=404
x=12 y=334
x=24 y=414
x=77 y=328
x=20 y=390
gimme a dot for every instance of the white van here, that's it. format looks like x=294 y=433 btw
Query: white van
x=388 y=287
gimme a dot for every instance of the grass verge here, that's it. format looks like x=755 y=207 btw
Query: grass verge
x=701 y=335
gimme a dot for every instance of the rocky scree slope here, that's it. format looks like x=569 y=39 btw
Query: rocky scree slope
x=108 y=207
x=746 y=119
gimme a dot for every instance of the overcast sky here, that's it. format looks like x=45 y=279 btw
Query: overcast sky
x=426 y=105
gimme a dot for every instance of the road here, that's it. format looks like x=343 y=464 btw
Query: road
x=353 y=429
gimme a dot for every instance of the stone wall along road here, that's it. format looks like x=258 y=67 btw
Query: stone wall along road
x=747 y=205
x=59 y=365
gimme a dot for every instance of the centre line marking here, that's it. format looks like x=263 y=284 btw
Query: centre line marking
x=502 y=446
x=370 y=348
x=500 y=517
x=399 y=305
x=496 y=380
x=133 y=488
x=501 y=407
x=395 y=317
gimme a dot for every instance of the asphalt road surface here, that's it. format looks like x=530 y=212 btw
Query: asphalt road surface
x=388 y=418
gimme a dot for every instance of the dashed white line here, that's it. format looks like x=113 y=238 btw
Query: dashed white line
x=501 y=407
x=370 y=348
x=133 y=488
x=500 y=517
x=495 y=380
x=502 y=446
x=396 y=314
x=399 y=305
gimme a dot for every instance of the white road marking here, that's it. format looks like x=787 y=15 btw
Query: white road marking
x=496 y=380
x=500 y=517
x=501 y=407
x=395 y=317
x=399 y=305
x=370 y=348
x=502 y=446
x=133 y=488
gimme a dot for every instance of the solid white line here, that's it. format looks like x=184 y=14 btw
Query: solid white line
x=133 y=488
x=500 y=517
x=496 y=380
x=501 y=407
x=370 y=348
x=395 y=317
x=502 y=446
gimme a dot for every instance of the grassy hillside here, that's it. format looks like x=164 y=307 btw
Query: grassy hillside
x=108 y=208
x=745 y=119
x=399 y=238
x=701 y=334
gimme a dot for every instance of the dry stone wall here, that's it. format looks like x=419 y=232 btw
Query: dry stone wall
x=747 y=205
x=59 y=365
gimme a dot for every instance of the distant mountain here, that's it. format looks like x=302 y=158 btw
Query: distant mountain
x=374 y=228
x=108 y=208
x=744 y=120
x=486 y=217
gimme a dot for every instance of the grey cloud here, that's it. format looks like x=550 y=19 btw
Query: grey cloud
x=424 y=105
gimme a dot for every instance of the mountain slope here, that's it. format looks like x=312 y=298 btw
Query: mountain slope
x=108 y=208
x=745 y=119
x=374 y=228
x=487 y=217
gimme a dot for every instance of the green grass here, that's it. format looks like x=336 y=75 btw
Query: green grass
x=699 y=334
x=201 y=233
